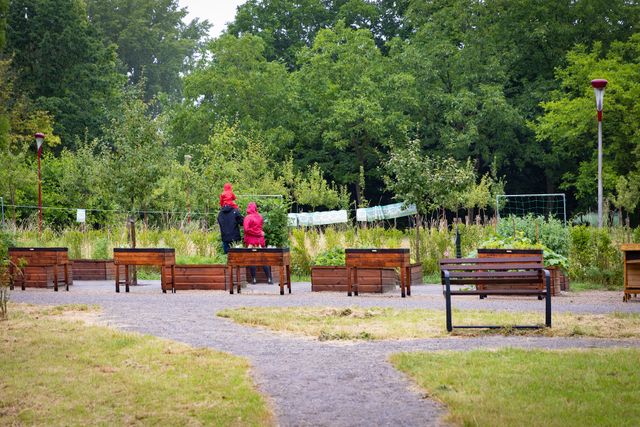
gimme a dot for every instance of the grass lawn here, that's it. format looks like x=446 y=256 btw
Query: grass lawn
x=388 y=323
x=513 y=387
x=57 y=371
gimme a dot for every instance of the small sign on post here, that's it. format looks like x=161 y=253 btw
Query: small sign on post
x=81 y=215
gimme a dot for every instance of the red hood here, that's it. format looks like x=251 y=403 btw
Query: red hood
x=227 y=187
x=252 y=208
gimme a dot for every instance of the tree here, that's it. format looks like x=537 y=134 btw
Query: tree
x=62 y=65
x=234 y=84
x=426 y=181
x=342 y=116
x=140 y=155
x=568 y=124
x=627 y=195
x=152 y=40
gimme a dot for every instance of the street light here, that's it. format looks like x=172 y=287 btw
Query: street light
x=187 y=160
x=598 y=88
x=39 y=140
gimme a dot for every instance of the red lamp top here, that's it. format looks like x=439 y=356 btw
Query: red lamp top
x=599 y=83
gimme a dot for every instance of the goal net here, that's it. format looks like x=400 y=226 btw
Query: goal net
x=546 y=205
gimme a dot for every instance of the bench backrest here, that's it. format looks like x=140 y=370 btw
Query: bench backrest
x=509 y=271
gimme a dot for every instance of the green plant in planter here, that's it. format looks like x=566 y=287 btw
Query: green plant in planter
x=551 y=258
x=333 y=257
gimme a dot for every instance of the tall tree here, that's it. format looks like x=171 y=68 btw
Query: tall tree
x=152 y=40
x=342 y=124
x=234 y=83
x=569 y=119
x=62 y=65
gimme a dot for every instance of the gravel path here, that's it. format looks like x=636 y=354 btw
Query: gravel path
x=311 y=382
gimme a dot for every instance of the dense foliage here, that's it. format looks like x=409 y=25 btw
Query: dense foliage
x=316 y=101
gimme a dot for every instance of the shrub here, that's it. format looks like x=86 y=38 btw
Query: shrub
x=595 y=258
x=551 y=232
x=334 y=256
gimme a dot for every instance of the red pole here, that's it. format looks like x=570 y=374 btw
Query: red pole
x=39 y=195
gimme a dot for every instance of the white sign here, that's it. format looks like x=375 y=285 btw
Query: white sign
x=81 y=215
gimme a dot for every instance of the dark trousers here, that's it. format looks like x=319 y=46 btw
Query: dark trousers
x=226 y=246
x=265 y=268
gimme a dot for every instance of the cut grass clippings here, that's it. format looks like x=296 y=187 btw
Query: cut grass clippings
x=513 y=387
x=389 y=323
x=61 y=372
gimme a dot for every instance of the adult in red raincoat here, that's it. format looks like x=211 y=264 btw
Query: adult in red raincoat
x=254 y=236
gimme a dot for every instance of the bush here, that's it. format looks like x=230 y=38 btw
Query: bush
x=595 y=258
x=550 y=232
x=334 y=256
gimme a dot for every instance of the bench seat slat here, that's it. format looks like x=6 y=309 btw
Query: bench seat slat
x=496 y=282
x=493 y=267
x=480 y=274
x=454 y=261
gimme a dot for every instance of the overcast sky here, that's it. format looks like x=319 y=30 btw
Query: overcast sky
x=217 y=12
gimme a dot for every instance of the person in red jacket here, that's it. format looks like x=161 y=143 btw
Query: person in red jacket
x=254 y=236
x=227 y=198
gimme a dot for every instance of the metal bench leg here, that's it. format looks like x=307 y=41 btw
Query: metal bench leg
x=548 y=301
x=447 y=296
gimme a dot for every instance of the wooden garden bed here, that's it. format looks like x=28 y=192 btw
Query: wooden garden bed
x=40 y=267
x=210 y=277
x=558 y=278
x=93 y=269
x=370 y=280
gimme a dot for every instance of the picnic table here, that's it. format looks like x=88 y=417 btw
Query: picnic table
x=39 y=265
x=161 y=257
x=248 y=257
x=378 y=258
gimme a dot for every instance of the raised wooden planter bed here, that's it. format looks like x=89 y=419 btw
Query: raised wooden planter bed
x=93 y=269
x=209 y=277
x=370 y=280
x=43 y=267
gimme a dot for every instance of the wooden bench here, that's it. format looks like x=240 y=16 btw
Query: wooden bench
x=496 y=276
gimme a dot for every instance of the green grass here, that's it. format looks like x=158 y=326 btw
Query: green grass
x=325 y=323
x=588 y=286
x=61 y=372
x=531 y=388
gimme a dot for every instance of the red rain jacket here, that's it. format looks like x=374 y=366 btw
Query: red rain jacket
x=227 y=197
x=253 y=234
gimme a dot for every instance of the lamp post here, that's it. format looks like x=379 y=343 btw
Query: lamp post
x=598 y=88
x=187 y=160
x=39 y=140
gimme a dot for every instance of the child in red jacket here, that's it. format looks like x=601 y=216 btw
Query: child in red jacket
x=227 y=197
